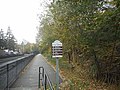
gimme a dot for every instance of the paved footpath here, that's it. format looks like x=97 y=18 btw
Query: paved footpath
x=28 y=80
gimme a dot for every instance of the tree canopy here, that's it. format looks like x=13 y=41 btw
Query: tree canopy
x=89 y=30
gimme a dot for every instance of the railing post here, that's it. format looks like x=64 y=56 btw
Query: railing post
x=45 y=83
x=16 y=69
x=45 y=80
x=42 y=76
x=39 y=77
x=43 y=72
x=7 y=76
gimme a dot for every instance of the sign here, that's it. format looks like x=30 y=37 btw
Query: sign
x=57 y=52
x=56 y=49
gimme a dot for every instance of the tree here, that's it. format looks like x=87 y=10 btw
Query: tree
x=10 y=39
x=2 y=40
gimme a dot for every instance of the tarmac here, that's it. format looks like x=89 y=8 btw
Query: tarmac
x=28 y=79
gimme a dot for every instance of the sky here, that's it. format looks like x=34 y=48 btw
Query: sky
x=22 y=16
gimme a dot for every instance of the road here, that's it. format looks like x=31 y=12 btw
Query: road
x=29 y=77
x=10 y=59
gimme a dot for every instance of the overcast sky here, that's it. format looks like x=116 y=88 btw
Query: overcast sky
x=22 y=17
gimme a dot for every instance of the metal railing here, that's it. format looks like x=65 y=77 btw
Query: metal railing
x=44 y=80
x=10 y=71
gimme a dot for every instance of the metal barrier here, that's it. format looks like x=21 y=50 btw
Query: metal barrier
x=44 y=80
x=10 y=71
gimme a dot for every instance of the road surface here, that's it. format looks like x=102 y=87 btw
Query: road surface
x=3 y=60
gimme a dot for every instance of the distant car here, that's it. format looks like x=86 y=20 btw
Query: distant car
x=11 y=53
x=15 y=52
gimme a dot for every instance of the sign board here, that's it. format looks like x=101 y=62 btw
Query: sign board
x=56 y=49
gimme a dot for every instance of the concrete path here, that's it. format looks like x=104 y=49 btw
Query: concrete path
x=28 y=80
